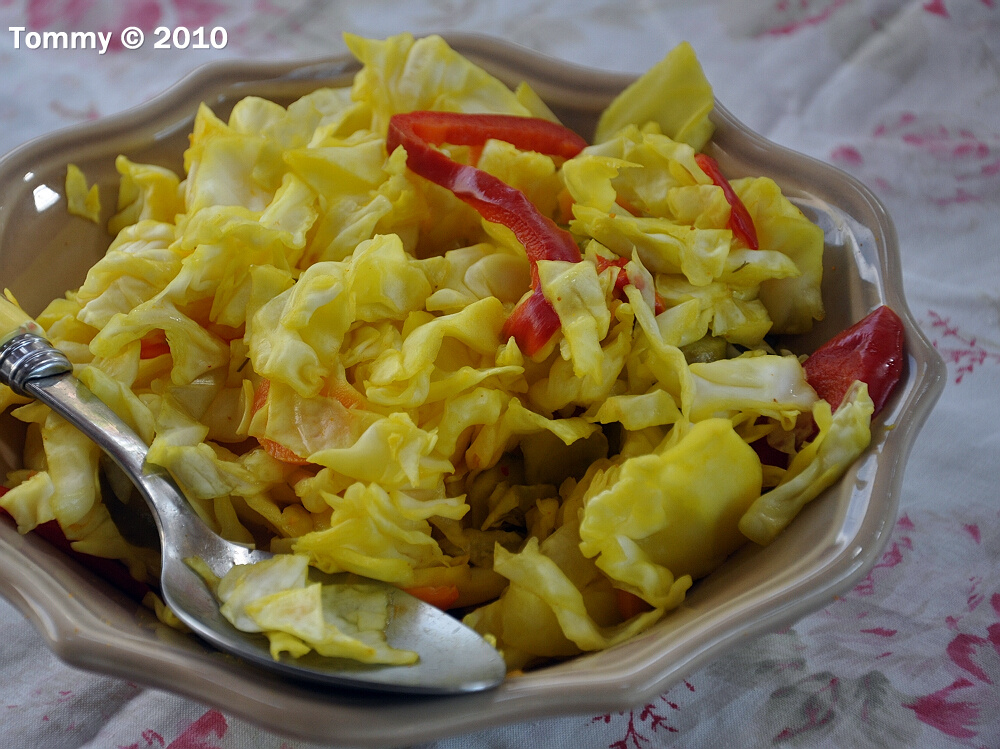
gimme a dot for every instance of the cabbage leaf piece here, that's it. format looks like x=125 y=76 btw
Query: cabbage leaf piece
x=194 y=349
x=29 y=501
x=792 y=302
x=403 y=74
x=307 y=425
x=361 y=194
x=226 y=168
x=496 y=438
x=323 y=110
x=533 y=173
x=562 y=387
x=767 y=385
x=637 y=411
x=393 y=452
x=468 y=274
x=380 y=534
x=295 y=335
x=674 y=93
x=656 y=521
x=145 y=192
x=225 y=244
x=82 y=200
x=662 y=245
x=275 y=597
x=34 y=499
x=139 y=263
x=729 y=304
x=412 y=376
x=648 y=171
x=575 y=293
x=543 y=612
x=842 y=437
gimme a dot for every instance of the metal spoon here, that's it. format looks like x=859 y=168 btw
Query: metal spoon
x=453 y=658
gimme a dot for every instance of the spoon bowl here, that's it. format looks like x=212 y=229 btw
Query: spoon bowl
x=453 y=659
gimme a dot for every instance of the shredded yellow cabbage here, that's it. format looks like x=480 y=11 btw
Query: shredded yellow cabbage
x=310 y=338
x=82 y=200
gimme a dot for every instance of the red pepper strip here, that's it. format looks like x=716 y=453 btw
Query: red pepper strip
x=442 y=596
x=623 y=280
x=740 y=221
x=532 y=323
x=110 y=570
x=460 y=129
x=870 y=350
x=495 y=200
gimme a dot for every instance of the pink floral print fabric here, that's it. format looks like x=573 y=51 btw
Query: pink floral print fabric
x=904 y=95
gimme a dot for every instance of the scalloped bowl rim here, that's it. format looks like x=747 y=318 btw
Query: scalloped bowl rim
x=89 y=625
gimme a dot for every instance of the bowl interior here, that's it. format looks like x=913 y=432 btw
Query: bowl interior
x=45 y=251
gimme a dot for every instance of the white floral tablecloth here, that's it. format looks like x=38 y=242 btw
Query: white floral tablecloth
x=903 y=94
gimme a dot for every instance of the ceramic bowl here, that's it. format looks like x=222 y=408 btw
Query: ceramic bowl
x=827 y=549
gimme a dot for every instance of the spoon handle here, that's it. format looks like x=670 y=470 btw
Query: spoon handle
x=31 y=366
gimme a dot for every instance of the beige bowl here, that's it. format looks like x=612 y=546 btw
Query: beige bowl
x=828 y=548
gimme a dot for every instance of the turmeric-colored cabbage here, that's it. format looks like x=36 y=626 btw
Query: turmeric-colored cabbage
x=312 y=340
x=337 y=620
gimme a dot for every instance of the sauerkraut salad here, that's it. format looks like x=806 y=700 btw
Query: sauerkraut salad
x=348 y=363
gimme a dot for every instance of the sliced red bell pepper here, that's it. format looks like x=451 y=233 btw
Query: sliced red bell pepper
x=871 y=350
x=461 y=129
x=442 y=596
x=740 y=221
x=531 y=323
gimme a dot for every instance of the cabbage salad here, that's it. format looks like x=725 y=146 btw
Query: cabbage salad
x=315 y=341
